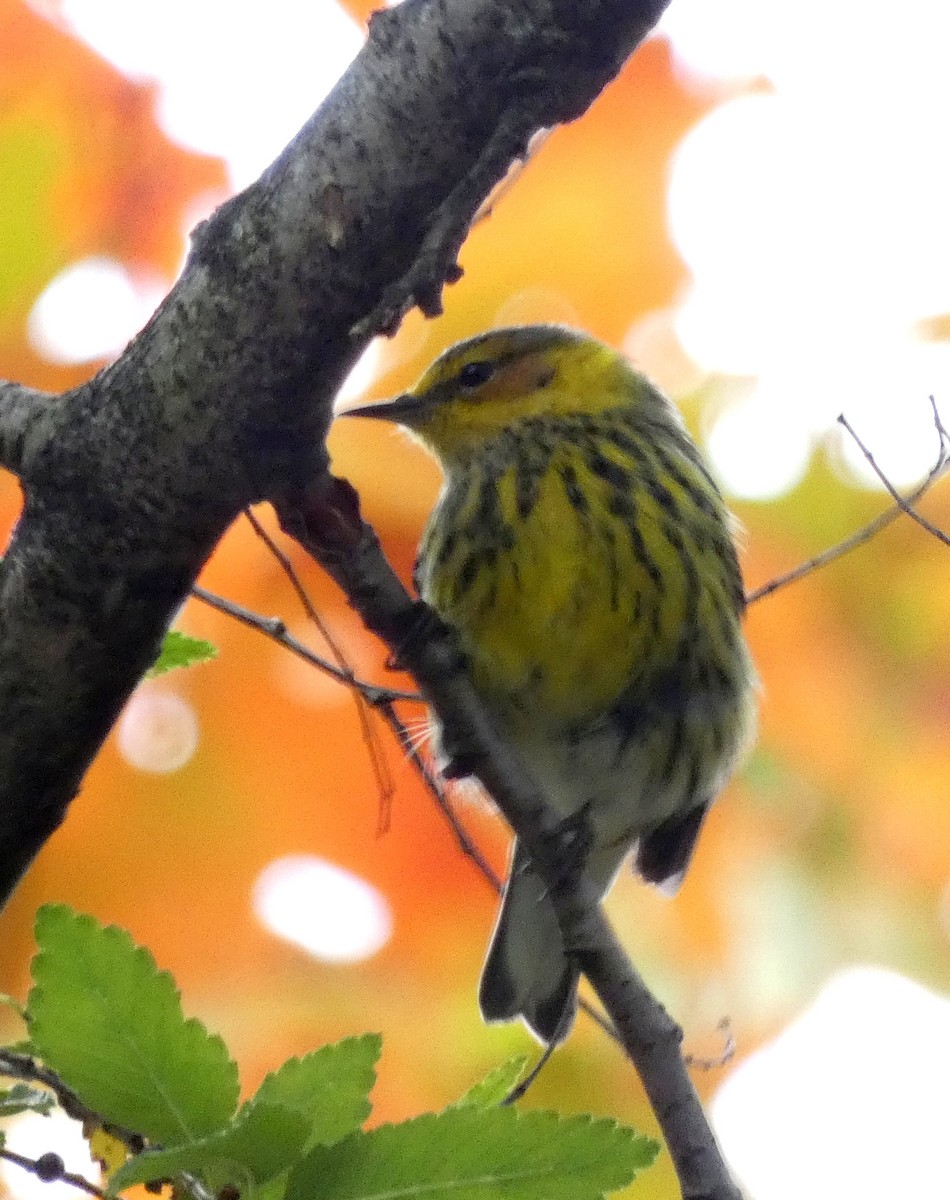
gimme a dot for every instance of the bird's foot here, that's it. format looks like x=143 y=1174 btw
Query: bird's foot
x=425 y=625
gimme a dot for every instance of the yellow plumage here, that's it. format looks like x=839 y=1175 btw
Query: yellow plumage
x=584 y=557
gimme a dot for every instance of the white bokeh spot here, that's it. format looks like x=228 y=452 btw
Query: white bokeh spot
x=90 y=310
x=235 y=80
x=758 y=448
x=324 y=909
x=158 y=731
x=850 y=1100
x=812 y=217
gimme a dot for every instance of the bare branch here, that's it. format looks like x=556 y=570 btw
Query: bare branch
x=905 y=506
x=873 y=528
x=275 y=629
x=377 y=759
x=50 y=1168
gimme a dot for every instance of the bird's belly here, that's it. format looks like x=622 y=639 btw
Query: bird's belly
x=630 y=781
x=560 y=618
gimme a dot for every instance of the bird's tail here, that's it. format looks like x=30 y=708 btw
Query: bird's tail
x=527 y=972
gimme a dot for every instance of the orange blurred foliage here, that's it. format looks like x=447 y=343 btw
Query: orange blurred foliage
x=361 y=10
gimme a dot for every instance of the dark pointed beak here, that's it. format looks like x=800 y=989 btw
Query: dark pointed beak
x=401 y=409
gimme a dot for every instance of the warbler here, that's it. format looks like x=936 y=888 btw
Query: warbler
x=584 y=557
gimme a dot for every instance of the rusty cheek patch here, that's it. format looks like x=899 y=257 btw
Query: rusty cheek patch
x=521 y=377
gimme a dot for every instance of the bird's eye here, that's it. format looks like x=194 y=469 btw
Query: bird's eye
x=474 y=374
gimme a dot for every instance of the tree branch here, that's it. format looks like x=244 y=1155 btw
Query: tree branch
x=905 y=506
x=902 y=506
x=24 y=412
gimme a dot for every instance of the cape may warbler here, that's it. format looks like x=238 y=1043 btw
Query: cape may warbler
x=584 y=556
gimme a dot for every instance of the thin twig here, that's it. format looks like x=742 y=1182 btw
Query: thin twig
x=51 y=1169
x=297 y=584
x=903 y=505
x=275 y=629
x=438 y=792
x=25 y=1067
x=384 y=780
x=381 y=700
x=725 y=1055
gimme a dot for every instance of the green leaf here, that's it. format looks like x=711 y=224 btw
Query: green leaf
x=23 y=1098
x=262 y=1141
x=317 y=1099
x=110 y=1024
x=180 y=650
x=330 y=1087
x=273 y=1189
x=495 y=1086
x=473 y=1154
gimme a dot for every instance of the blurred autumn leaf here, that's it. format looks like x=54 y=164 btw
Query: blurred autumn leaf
x=360 y=10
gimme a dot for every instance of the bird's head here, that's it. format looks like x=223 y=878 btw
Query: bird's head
x=478 y=388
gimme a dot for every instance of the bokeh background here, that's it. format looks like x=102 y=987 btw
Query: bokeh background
x=756 y=212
